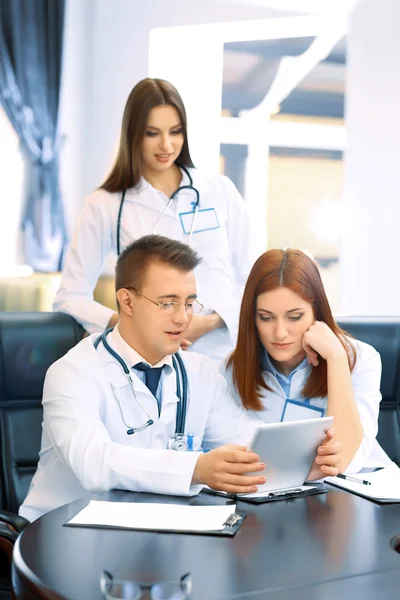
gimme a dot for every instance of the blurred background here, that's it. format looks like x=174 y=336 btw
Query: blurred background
x=295 y=100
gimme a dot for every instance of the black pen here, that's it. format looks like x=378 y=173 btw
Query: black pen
x=348 y=478
x=284 y=493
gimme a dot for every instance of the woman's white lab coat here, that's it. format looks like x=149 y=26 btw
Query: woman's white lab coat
x=85 y=447
x=366 y=378
x=226 y=250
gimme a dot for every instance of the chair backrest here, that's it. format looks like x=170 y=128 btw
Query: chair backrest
x=29 y=344
x=383 y=333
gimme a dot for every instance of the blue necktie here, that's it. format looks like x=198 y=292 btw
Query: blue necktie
x=151 y=376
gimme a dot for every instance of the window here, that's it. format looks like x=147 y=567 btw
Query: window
x=10 y=197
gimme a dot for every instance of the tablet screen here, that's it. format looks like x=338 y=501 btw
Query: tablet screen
x=288 y=450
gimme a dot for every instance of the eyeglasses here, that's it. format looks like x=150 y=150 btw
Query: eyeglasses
x=194 y=307
x=130 y=590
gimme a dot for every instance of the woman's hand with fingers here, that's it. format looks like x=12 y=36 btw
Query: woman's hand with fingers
x=327 y=461
x=199 y=326
x=319 y=339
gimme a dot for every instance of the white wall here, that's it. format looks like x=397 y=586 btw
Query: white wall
x=11 y=184
x=371 y=248
x=106 y=54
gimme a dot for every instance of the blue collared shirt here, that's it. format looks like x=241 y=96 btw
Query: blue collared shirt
x=283 y=380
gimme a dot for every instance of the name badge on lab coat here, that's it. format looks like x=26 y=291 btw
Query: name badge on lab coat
x=297 y=411
x=204 y=220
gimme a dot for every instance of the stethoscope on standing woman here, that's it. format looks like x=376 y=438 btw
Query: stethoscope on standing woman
x=180 y=440
x=174 y=195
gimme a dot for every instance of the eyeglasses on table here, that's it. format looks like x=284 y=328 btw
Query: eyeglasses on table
x=120 y=589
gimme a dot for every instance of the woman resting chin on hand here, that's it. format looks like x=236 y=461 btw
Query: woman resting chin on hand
x=292 y=362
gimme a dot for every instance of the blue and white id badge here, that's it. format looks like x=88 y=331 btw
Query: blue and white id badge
x=204 y=219
x=297 y=411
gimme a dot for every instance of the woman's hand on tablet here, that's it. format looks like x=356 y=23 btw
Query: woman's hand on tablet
x=226 y=469
x=328 y=458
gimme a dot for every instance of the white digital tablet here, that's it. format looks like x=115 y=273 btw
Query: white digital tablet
x=288 y=450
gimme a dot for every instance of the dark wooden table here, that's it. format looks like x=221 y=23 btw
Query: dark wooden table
x=330 y=546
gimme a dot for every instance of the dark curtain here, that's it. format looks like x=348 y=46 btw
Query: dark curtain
x=31 y=38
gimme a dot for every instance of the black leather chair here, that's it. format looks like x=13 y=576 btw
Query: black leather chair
x=383 y=333
x=29 y=344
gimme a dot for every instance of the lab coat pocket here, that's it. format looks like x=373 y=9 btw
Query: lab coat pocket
x=212 y=245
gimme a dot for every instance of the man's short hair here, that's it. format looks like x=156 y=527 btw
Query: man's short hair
x=134 y=261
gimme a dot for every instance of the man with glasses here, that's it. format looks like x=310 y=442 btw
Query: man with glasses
x=111 y=404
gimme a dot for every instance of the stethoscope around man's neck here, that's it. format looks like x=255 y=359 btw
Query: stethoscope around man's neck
x=181 y=388
x=171 y=199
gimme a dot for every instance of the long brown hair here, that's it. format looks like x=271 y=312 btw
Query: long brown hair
x=296 y=271
x=146 y=94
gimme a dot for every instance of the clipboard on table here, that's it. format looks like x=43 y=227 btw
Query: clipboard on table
x=220 y=520
x=273 y=495
x=381 y=486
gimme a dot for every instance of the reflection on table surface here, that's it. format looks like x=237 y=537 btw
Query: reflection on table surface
x=281 y=546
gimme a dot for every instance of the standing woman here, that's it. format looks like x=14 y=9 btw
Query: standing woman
x=292 y=361
x=153 y=187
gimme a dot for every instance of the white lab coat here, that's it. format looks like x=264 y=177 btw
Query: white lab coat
x=85 y=447
x=366 y=377
x=228 y=252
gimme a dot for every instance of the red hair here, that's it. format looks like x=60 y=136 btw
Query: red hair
x=299 y=273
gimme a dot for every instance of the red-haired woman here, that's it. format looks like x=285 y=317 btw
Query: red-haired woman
x=293 y=362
